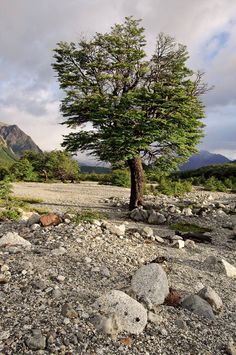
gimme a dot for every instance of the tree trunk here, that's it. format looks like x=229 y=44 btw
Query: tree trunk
x=137 y=183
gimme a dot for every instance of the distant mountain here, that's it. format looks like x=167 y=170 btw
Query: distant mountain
x=204 y=158
x=6 y=154
x=17 y=140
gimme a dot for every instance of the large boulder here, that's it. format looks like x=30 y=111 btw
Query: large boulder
x=196 y=304
x=118 y=312
x=13 y=239
x=150 y=284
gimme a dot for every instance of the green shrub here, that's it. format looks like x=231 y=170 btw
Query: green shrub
x=87 y=216
x=5 y=190
x=213 y=184
x=187 y=227
x=176 y=188
x=12 y=214
x=120 y=178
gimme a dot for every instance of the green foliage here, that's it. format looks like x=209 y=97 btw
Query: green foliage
x=11 y=214
x=135 y=105
x=220 y=171
x=87 y=216
x=5 y=190
x=55 y=165
x=213 y=184
x=169 y=187
x=188 y=227
x=120 y=178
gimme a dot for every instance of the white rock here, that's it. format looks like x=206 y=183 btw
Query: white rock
x=59 y=251
x=190 y=244
x=230 y=270
x=115 y=229
x=119 y=312
x=87 y=260
x=159 y=239
x=61 y=278
x=13 y=239
x=178 y=244
x=209 y=295
x=187 y=211
x=34 y=227
x=150 y=284
x=154 y=318
x=147 y=232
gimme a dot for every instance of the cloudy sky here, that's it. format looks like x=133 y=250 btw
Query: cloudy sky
x=30 y=29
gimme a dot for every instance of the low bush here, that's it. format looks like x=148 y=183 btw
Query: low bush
x=11 y=213
x=87 y=216
x=171 y=188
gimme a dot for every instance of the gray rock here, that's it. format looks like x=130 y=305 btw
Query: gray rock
x=118 y=312
x=147 y=232
x=36 y=341
x=196 y=304
x=13 y=239
x=190 y=244
x=139 y=215
x=156 y=218
x=231 y=349
x=33 y=219
x=208 y=294
x=150 y=284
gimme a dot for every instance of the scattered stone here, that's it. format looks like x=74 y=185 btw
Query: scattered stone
x=147 y=232
x=36 y=341
x=187 y=211
x=4 y=335
x=190 y=244
x=33 y=219
x=156 y=218
x=159 y=239
x=178 y=244
x=117 y=230
x=180 y=324
x=119 y=312
x=61 y=278
x=150 y=284
x=68 y=311
x=217 y=264
x=196 y=304
x=34 y=227
x=87 y=260
x=59 y=251
x=208 y=294
x=139 y=215
x=154 y=318
x=13 y=239
x=50 y=219
x=231 y=349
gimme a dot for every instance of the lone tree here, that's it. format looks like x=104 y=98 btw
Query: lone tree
x=129 y=105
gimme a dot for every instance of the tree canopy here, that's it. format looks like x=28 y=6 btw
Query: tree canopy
x=130 y=105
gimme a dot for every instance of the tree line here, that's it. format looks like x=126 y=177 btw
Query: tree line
x=32 y=166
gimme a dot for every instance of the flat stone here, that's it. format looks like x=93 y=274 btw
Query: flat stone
x=118 y=312
x=150 y=284
x=139 y=215
x=178 y=244
x=147 y=232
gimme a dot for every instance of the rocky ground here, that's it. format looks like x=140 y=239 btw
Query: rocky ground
x=51 y=279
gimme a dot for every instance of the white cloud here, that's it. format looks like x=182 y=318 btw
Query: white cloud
x=29 y=30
